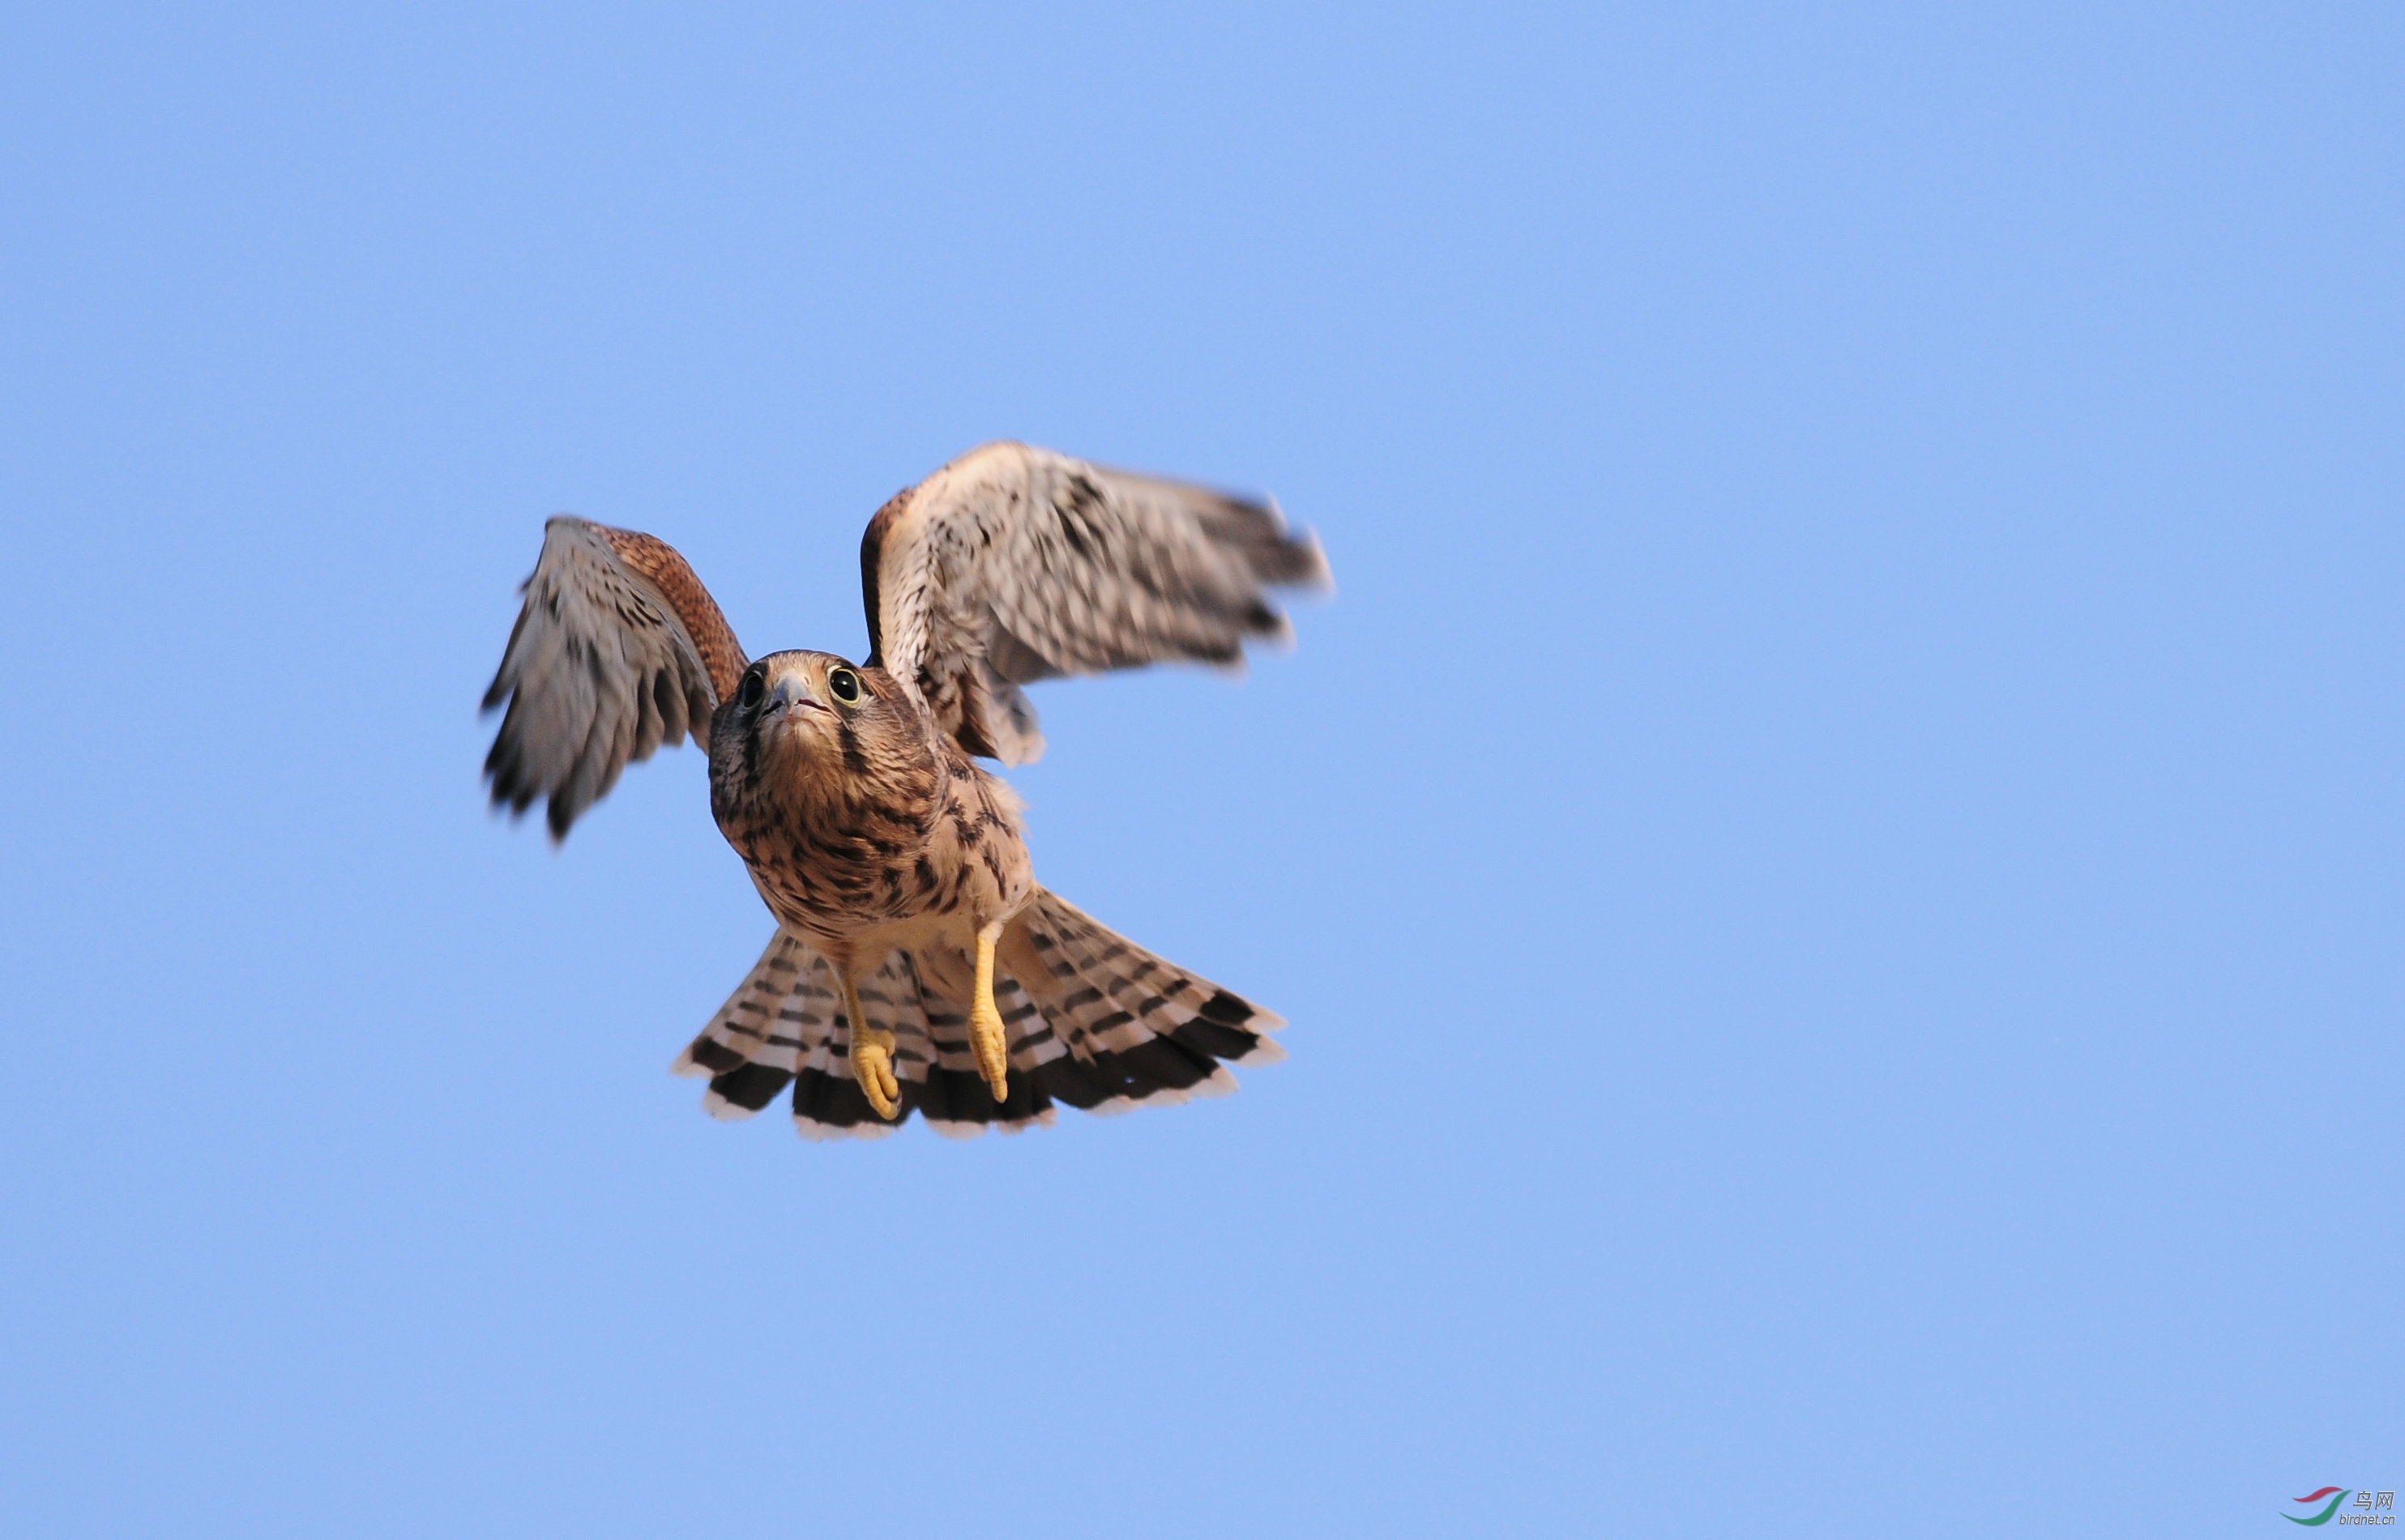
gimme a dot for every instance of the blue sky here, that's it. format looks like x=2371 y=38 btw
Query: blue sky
x=1833 y=862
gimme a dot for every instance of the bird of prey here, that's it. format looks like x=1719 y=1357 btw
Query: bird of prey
x=916 y=964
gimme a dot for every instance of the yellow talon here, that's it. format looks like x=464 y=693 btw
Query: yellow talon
x=872 y=1058
x=986 y=1036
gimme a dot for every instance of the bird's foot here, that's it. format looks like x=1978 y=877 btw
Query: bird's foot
x=872 y=1065
x=986 y=1036
x=872 y=1058
x=993 y=1051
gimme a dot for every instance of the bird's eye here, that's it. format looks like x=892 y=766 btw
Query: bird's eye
x=844 y=683
x=748 y=693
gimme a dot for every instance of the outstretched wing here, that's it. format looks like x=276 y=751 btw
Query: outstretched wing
x=1014 y=563
x=618 y=649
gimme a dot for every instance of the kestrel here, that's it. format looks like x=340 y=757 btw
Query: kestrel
x=916 y=964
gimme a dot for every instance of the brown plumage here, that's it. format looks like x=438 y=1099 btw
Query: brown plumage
x=916 y=964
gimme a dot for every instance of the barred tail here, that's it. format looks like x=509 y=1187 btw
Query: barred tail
x=1094 y=1020
x=1122 y=1028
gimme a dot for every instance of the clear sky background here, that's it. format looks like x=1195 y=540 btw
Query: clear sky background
x=1835 y=861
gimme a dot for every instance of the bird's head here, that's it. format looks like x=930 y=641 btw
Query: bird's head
x=802 y=720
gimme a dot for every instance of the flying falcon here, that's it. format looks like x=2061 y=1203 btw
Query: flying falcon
x=916 y=964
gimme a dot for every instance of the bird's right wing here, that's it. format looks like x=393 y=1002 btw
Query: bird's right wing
x=1014 y=563
x=618 y=649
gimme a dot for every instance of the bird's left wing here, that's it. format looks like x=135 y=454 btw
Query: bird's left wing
x=618 y=649
x=1014 y=563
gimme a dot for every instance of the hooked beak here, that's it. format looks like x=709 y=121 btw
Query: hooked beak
x=788 y=693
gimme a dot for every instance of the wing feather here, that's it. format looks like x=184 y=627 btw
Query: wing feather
x=617 y=650
x=1015 y=563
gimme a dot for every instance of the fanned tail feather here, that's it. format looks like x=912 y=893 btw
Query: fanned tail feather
x=1092 y=1021
x=1125 y=1027
x=780 y=1017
